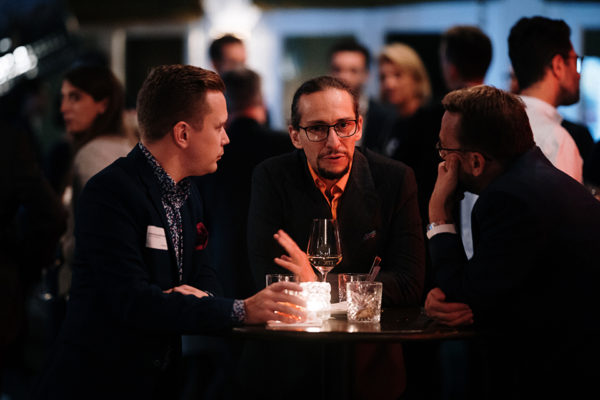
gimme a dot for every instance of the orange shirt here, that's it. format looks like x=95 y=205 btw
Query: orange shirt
x=337 y=189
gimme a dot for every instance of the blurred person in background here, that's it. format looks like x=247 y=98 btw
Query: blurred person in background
x=92 y=105
x=403 y=79
x=546 y=67
x=350 y=61
x=226 y=53
x=405 y=84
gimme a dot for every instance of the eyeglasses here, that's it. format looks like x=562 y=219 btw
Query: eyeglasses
x=443 y=151
x=579 y=61
x=318 y=133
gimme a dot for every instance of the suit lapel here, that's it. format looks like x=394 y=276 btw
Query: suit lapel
x=153 y=191
x=359 y=214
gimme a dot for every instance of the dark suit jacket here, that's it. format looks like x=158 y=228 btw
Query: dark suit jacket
x=121 y=334
x=534 y=273
x=377 y=215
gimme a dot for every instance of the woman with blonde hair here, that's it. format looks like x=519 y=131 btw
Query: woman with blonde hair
x=403 y=79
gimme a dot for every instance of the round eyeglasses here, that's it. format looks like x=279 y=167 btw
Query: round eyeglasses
x=320 y=132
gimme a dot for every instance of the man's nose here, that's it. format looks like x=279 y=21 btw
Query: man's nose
x=333 y=140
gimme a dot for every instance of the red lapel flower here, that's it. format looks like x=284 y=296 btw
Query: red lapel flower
x=201 y=236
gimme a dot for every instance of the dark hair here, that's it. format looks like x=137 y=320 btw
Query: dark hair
x=492 y=121
x=100 y=83
x=173 y=93
x=319 y=84
x=469 y=50
x=532 y=44
x=242 y=89
x=352 y=46
x=216 y=47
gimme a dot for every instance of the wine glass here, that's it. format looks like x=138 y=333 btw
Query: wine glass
x=324 y=249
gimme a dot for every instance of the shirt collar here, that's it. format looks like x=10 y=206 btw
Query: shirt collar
x=339 y=186
x=177 y=193
x=540 y=106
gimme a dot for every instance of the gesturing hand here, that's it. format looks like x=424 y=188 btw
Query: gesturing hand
x=296 y=261
x=187 y=289
x=275 y=303
x=451 y=314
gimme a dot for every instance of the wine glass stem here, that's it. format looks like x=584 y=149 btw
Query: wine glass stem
x=324 y=277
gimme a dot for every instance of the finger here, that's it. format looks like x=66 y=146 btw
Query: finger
x=466 y=319
x=281 y=286
x=291 y=311
x=286 y=241
x=452 y=319
x=288 y=265
x=286 y=258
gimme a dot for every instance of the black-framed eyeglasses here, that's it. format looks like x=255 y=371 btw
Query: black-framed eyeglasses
x=320 y=132
x=443 y=151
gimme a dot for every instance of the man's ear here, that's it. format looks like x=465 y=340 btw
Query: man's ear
x=359 y=125
x=295 y=136
x=181 y=134
x=558 y=66
x=477 y=163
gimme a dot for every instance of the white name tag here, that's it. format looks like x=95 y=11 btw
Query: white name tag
x=155 y=238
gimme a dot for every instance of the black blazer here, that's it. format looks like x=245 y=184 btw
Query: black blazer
x=533 y=276
x=377 y=215
x=121 y=334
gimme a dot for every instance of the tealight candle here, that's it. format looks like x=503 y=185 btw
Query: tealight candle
x=318 y=298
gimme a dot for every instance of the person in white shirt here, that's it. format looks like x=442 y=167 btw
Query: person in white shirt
x=546 y=68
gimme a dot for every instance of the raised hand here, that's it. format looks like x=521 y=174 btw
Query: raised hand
x=296 y=261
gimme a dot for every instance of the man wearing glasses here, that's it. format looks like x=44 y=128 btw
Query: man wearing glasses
x=548 y=71
x=530 y=285
x=373 y=198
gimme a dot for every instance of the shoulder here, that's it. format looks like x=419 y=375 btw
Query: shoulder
x=122 y=177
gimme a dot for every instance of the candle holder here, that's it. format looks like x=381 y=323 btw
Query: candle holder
x=318 y=300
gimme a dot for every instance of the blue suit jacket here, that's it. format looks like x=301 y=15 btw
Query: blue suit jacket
x=533 y=276
x=121 y=329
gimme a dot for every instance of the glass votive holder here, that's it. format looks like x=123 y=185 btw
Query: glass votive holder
x=364 y=301
x=272 y=278
x=343 y=279
x=317 y=296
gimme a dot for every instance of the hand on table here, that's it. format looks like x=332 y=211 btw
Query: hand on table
x=451 y=314
x=275 y=303
x=187 y=289
x=296 y=260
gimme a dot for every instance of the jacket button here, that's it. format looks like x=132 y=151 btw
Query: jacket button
x=156 y=363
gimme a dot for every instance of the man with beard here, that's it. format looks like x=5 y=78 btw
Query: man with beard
x=373 y=199
x=531 y=280
x=546 y=67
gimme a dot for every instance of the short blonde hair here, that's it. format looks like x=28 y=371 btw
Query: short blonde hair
x=406 y=58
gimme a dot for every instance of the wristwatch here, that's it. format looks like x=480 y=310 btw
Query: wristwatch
x=437 y=223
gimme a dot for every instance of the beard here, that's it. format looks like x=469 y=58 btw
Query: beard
x=568 y=97
x=329 y=174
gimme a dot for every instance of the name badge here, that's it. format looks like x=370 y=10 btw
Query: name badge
x=155 y=238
